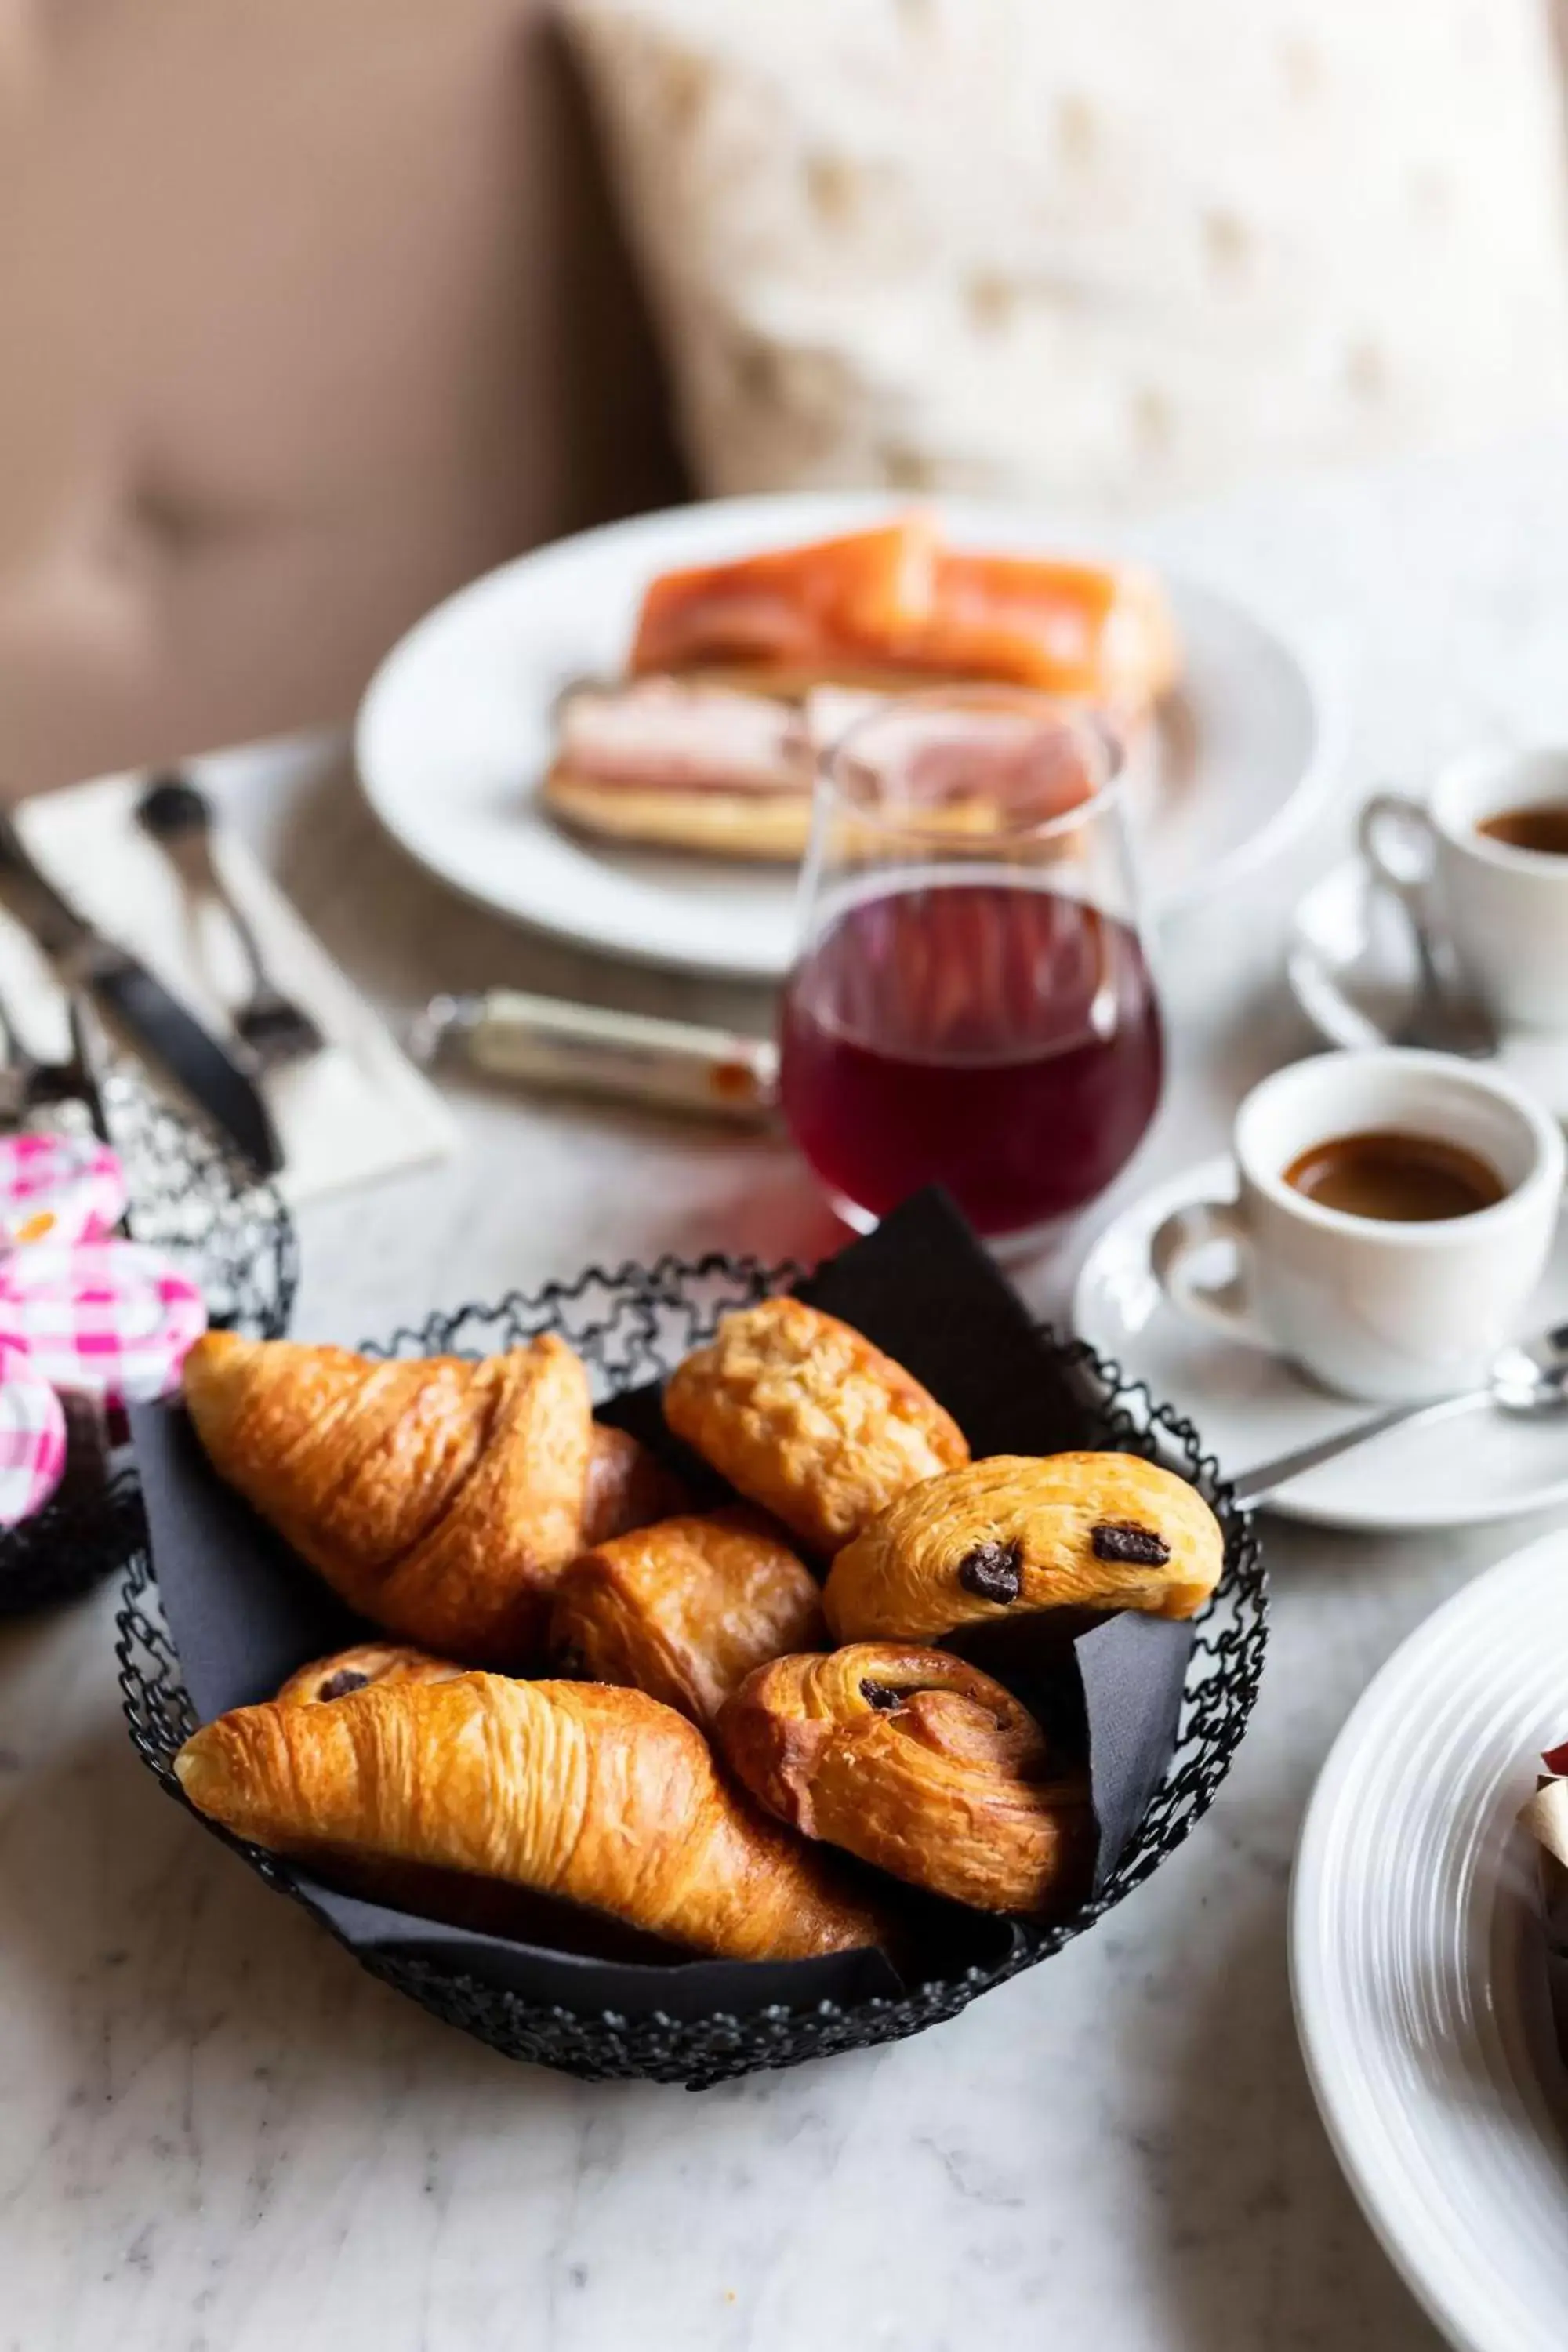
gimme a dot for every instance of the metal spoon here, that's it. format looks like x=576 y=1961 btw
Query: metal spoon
x=1447 y=1016
x=1529 y=1378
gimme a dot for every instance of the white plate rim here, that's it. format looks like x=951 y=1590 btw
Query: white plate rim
x=1215 y=1177
x=1448 y=2301
x=824 y=511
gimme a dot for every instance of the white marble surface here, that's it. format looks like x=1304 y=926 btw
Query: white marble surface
x=218 y=2135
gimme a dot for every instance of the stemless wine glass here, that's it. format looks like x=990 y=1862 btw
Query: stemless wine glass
x=973 y=1005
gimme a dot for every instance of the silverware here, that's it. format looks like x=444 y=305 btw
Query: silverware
x=88 y=961
x=1447 y=1016
x=27 y=1081
x=592 y=1049
x=179 y=817
x=1530 y=1379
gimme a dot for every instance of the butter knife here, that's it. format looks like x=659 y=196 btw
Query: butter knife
x=138 y=1001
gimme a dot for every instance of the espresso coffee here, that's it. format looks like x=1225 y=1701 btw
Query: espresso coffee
x=1402 y=1179
x=1544 y=828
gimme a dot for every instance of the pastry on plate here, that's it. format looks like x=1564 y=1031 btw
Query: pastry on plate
x=439 y=1498
x=684 y=1609
x=682 y=763
x=805 y=1416
x=892 y=608
x=573 y=1790
x=1017 y=1534
x=325 y=1679
x=918 y=1762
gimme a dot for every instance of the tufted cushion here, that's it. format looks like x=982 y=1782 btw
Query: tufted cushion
x=1113 y=252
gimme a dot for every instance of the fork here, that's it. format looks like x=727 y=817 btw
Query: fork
x=27 y=1080
x=179 y=817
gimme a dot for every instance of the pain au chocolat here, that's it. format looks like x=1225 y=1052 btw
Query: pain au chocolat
x=685 y=1608
x=915 y=1760
x=1096 y=1531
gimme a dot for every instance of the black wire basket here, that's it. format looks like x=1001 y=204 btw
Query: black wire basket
x=632 y=1327
x=193 y=1199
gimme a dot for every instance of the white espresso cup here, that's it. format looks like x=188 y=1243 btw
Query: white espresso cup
x=1372 y=1307
x=1505 y=909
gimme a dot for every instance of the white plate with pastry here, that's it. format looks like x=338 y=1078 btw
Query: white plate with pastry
x=1417 y=1966
x=461 y=728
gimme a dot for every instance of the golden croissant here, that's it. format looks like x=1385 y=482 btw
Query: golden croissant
x=915 y=1760
x=597 y=1796
x=1017 y=1533
x=440 y=1499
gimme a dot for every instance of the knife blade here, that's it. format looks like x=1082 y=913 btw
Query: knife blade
x=140 y=1002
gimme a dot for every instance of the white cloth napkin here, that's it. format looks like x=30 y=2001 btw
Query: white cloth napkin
x=357 y=1110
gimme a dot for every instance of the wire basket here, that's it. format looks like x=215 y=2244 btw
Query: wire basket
x=193 y=1199
x=633 y=1326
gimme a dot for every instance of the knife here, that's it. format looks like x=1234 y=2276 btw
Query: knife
x=140 y=1002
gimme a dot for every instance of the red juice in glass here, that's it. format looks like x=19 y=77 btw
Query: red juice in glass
x=1003 y=1041
x=973 y=1006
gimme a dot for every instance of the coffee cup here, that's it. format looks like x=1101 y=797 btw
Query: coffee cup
x=1503 y=904
x=1375 y=1305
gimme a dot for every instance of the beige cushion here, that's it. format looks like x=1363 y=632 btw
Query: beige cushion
x=1112 y=250
x=310 y=310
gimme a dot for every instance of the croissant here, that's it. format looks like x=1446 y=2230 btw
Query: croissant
x=627 y=1488
x=440 y=1499
x=1100 y=1531
x=684 y=1610
x=805 y=1416
x=601 y=1797
x=368 y=1662
x=915 y=1760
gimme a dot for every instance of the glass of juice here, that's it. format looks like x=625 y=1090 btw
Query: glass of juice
x=973 y=1003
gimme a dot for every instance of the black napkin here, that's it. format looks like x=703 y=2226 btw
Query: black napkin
x=244 y=1614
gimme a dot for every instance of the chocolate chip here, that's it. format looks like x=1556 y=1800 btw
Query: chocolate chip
x=881 y=1696
x=339 y=1685
x=1121 y=1539
x=993 y=1572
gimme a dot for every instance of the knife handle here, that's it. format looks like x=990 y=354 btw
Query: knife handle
x=590 y=1049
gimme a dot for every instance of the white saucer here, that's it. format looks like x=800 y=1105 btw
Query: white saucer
x=1416 y=1959
x=1249 y=1406
x=1352 y=970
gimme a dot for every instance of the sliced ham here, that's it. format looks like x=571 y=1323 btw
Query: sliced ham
x=662 y=733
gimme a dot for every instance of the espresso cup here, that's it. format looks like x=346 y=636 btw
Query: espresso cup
x=1504 y=908
x=1377 y=1309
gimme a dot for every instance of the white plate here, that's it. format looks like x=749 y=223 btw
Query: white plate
x=1250 y=1406
x=1352 y=970
x=454 y=732
x=1416 y=1959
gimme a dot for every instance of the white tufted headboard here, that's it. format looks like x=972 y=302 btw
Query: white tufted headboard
x=308 y=309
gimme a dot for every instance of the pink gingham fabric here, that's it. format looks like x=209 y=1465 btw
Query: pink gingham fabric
x=112 y=1317
x=58 y=1188
x=32 y=1437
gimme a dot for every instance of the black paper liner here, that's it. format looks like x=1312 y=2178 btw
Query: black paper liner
x=1165 y=1705
x=193 y=1200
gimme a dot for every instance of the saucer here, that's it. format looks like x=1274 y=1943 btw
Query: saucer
x=1352 y=970
x=1251 y=1405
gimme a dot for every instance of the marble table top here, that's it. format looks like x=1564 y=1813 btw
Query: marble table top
x=217 y=2135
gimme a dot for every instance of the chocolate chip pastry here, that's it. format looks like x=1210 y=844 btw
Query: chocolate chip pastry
x=1098 y=1531
x=686 y=1609
x=915 y=1760
x=805 y=1416
x=572 y=1791
x=325 y=1679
